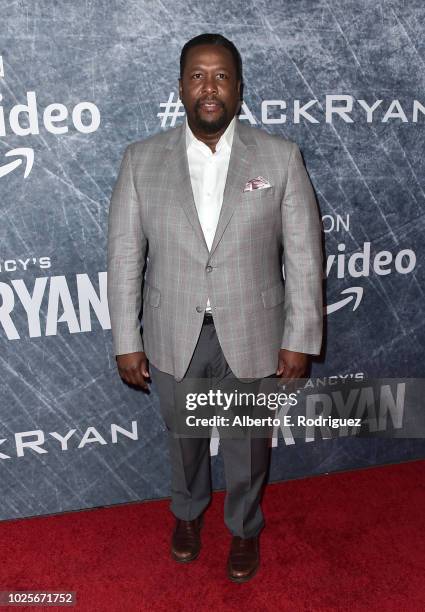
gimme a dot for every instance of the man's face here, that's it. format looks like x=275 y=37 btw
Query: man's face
x=209 y=88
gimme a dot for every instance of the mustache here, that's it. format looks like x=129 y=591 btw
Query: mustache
x=207 y=100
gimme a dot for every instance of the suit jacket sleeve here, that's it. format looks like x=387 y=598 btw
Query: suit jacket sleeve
x=302 y=243
x=126 y=259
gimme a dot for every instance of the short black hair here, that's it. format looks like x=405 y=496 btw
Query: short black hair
x=212 y=39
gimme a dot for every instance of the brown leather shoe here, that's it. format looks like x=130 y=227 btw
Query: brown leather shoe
x=186 y=541
x=244 y=560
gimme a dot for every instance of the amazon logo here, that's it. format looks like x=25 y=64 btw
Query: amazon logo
x=25 y=157
x=354 y=296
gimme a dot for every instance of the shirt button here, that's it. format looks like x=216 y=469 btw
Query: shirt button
x=199 y=309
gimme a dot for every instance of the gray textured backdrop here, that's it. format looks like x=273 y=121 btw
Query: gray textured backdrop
x=123 y=57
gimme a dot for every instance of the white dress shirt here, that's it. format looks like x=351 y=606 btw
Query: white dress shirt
x=208 y=172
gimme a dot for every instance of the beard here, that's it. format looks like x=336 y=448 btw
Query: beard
x=213 y=125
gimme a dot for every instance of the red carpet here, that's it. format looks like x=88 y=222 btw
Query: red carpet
x=348 y=541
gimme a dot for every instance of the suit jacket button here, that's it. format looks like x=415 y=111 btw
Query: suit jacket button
x=209 y=269
x=199 y=309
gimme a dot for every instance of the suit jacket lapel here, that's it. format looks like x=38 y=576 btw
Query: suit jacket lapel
x=177 y=171
x=237 y=175
x=179 y=180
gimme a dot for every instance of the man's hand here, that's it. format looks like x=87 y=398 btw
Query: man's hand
x=134 y=369
x=292 y=365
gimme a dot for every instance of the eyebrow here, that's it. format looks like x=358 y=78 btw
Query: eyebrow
x=202 y=67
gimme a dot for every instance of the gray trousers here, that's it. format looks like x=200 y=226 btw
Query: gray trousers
x=245 y=459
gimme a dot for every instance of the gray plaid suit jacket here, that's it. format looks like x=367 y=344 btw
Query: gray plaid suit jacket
x=256 y=310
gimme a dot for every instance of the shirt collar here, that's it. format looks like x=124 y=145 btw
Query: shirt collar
x=225 y=140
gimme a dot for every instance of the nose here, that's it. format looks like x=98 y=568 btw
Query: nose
x=210 y=84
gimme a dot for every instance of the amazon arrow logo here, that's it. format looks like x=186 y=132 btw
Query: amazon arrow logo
x=24 y=152
x=356 y=295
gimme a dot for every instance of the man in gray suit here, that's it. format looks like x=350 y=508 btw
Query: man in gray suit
x=214 y=208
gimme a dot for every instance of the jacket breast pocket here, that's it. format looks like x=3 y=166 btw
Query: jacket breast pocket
x=273 y=296
x=152 y=296
x=265 y=192
x=258 y=205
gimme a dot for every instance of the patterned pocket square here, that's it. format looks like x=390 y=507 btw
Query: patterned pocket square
x=257 y=183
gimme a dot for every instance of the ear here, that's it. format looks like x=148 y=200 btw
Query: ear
x=180 y=87
x=238 y=86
